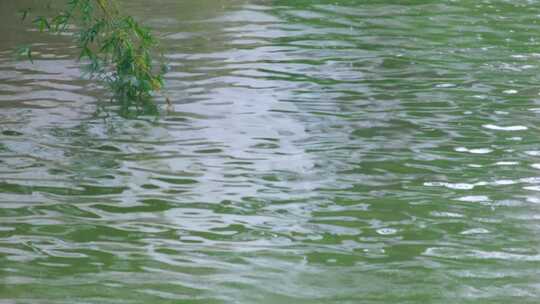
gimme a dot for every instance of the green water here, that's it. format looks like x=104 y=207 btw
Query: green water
x=325 y=151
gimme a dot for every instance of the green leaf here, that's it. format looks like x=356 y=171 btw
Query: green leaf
x=25 y=51
x=42 y=23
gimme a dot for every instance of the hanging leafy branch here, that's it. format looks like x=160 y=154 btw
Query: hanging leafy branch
x=119 y=50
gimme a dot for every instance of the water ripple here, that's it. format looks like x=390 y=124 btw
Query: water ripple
x=315 y=153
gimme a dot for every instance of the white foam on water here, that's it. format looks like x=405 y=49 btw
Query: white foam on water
x=445 y=85
x=510 y=91
x=386 y=231
x=475 y=231
x=532 y=188
x=509 y=128
x=446 y=214
x=507 y=163
x=457 y=186
x=474 y=151
x=536 y=166
x=530 y=180
x=481 y=151
x=475 y=165
x=473 y=198
x=533 y=199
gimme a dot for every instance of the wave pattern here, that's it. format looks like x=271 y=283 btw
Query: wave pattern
x=317 y=152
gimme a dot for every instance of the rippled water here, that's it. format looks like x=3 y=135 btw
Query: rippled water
x=317 y=152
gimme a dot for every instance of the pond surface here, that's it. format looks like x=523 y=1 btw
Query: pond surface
x=324 y=151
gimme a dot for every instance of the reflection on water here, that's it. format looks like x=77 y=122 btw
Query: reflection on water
x=317 y=152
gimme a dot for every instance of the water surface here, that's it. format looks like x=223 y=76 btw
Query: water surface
x=317 y=152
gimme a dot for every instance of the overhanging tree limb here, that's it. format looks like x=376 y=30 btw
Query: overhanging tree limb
x=120 y=51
